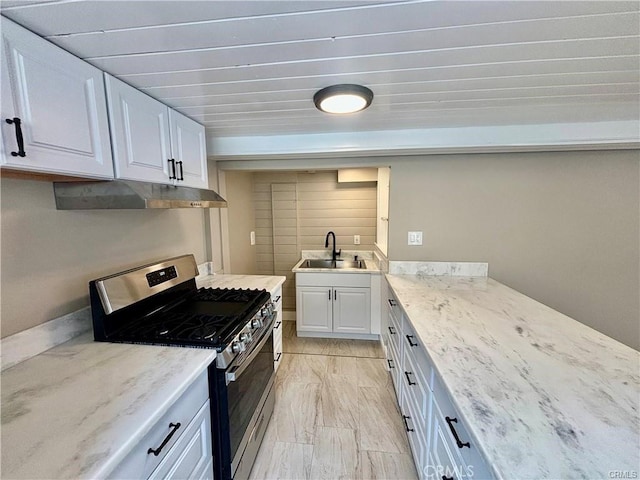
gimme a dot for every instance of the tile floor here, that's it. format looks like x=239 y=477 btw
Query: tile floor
x=336 y=415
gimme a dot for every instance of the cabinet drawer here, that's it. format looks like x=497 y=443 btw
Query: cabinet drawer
x=416 y=385
x=416 y=433
x=191 y=454
x=139 y=463
x=470 y=454
x=416 y=351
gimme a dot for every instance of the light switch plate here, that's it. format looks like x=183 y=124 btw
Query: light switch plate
x=356 y=239
x=253 y=238
x=414 y=238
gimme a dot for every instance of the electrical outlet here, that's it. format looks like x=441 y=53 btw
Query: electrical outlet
x=356 y=239
x=252 y=236
x=414 y=238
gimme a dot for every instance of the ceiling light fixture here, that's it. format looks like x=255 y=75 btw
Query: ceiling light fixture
x=345 y=98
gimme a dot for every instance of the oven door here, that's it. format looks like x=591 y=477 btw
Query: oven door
x=247 y=386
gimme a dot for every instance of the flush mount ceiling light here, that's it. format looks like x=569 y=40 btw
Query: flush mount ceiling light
x=343 y=98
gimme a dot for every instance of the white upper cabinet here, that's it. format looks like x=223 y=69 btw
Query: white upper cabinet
x=152 y=142
x=139 y=134
x=189 y=149
x=60 y=107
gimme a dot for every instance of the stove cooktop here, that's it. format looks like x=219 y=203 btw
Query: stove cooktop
x=210 y=317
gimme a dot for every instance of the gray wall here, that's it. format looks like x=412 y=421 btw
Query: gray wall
x=49 y=256
x=242 y=221
x=562 y=228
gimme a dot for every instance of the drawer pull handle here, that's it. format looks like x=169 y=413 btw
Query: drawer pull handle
x=409 y=337
x=390 y=363
x=278 y=357
x=406 y=424
x=173 y=168
x=392 y=330
x=19 y=138
x=277 y=299
x=174 y=428
x=181 y=171
x=444 y=477
x=392 y=302
x=450 y=422
x=406 y=374
x=275 y=327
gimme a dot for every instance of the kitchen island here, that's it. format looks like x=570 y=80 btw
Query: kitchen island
x=542 y=395
x=78 y=409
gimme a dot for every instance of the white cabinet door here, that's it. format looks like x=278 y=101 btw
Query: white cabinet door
x=313 y=307
x=189 y=149
x=60 y=103
x=139 y=134
x=351 y=310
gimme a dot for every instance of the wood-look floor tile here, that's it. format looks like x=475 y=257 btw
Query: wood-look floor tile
x=299 y=368
x=339 y=402
x=288 y=329
x=281 y=460
x=372 y=372
x=335 y=454
x=384 y=466
x=337 y=365
x=294 y=416
x=380 y=425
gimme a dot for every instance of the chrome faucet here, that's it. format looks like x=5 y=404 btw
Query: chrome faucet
x=334 y=254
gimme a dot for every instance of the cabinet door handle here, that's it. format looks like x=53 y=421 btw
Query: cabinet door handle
x=450 y=422
x=406 y=374
x=390 y=363
x=409 y=337
x=444 y=477
x=329 y=295
x=392 y=330
x=181 y=171
x=335 y=295
x=278 y=357
x=174 y=428
x=406 y=424
x=392 y=302
x=173 y=168
x=17 y=123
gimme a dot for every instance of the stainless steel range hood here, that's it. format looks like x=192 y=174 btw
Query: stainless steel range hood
x=127 y=194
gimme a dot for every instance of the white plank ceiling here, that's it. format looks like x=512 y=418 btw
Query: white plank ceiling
x=246 y=68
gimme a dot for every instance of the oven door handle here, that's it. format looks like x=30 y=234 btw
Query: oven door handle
x=234 y=372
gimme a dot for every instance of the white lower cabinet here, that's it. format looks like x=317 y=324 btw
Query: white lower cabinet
x=440 y=443
x=179 y=445
x=340 y=306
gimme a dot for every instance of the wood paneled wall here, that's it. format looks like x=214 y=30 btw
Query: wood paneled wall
x=321 y=204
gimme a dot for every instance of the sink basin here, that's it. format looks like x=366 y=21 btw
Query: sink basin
x=338 y=264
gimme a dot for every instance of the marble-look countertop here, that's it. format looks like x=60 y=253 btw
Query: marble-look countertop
x=76 y=410
x=543 y=395
x=262 y=282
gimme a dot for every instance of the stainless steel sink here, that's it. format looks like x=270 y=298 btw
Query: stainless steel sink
x=338 y=264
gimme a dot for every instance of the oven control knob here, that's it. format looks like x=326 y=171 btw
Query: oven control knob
x=245 y=337
x=236 y=347
x=256 y=323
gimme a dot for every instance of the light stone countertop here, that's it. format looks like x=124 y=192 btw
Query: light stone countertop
x=76 y=410
x=544 y=395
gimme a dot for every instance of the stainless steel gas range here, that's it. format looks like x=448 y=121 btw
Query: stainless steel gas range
x=160 y=304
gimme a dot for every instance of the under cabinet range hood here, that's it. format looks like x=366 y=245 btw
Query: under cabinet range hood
x=128 y=194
